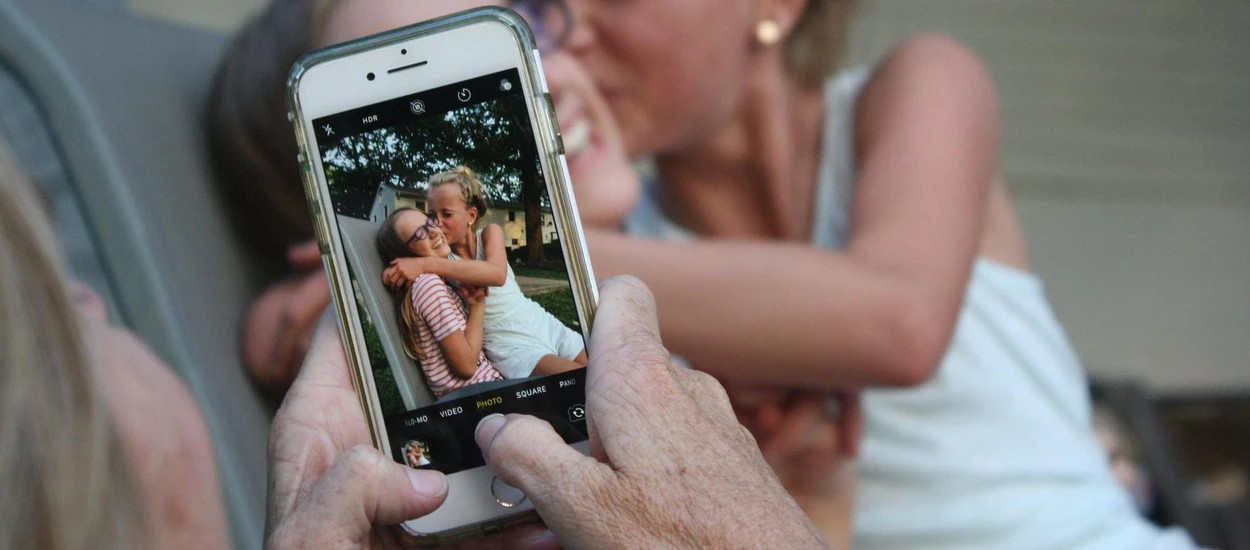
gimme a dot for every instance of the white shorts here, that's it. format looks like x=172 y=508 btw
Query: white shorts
x=516 y=344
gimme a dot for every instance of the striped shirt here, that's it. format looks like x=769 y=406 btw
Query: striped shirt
x=442 y=314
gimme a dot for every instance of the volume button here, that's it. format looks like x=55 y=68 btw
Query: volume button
x=319 y=228
x=314 y=205
x=555 y=124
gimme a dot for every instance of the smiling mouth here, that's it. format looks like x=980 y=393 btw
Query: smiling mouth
x=437 y=242
x=577 y=138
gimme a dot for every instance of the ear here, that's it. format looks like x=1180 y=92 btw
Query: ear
x=785 y=13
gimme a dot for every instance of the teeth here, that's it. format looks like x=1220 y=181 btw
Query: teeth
x=577 y=138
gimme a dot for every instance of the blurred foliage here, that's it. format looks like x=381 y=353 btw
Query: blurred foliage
x=383 y=377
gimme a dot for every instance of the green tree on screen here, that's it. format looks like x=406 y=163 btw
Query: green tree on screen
x=492 y=138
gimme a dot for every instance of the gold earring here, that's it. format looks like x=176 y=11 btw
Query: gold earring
x=768 y=32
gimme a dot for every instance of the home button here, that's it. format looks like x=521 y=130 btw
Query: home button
x=506 y=495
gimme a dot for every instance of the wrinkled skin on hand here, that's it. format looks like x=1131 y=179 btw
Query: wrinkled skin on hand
x=670 y=466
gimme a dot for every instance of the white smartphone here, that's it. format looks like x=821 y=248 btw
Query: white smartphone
x=385 y=124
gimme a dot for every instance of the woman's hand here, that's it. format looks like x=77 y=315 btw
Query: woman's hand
x=473 y=295
x=281 y=322
x=805 y=435
x=810 y=440
x=403 y=271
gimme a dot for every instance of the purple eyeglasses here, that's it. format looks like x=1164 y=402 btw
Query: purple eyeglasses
x=422 y=233
x=551 y=21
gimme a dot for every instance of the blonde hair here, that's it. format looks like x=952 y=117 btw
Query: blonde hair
x=66 y=481
x=471 y=191
x=818 y=41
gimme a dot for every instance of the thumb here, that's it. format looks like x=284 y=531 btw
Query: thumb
x=526 y=453
x=364 y=481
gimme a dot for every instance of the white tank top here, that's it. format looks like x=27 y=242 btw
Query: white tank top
x=996 y=451
x=503 y=303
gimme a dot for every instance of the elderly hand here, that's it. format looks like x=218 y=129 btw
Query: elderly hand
x=671 y=465
x=328 y=488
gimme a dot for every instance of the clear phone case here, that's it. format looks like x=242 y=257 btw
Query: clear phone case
x=554 y=168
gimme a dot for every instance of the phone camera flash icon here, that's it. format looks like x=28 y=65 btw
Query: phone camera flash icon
x=505 y=85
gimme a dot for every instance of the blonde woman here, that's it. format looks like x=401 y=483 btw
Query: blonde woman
x=66 y=480
x=102 y=447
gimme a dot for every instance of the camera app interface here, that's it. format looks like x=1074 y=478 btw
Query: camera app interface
x=456 y=266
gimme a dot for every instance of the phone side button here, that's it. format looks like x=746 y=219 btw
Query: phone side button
x=319 y=230
x=555 y=124
x=506 y=495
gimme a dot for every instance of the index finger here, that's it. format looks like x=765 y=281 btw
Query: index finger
x=326 y=362
x=630 y=372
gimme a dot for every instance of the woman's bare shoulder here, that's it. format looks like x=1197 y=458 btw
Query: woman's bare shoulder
x=932 y=69
x=931 y=56
x=492 y=231
x=928 y=80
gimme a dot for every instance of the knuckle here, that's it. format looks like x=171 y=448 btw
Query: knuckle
x=629 y=290
x=509 y=448
x=648 y=372
x=746 y=439
x=627 y=285
x=710 y=391
x=361 y=461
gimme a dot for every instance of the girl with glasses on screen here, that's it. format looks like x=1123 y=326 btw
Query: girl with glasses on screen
x=442 y=325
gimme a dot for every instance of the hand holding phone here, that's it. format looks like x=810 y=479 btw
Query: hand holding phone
x=327 y=488
x=325 y=479
x=670 y=465
x=432 y=171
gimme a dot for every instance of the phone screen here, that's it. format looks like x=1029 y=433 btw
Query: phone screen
x=420 y=331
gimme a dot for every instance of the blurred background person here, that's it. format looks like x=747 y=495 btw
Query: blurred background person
x=102 y=447
x=916 y=273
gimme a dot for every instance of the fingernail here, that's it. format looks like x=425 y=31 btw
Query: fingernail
x=487 y=428
x=427 y=482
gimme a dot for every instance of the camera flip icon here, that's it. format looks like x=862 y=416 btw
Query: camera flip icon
x=577 y=413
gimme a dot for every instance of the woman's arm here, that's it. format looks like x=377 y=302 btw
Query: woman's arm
x=882 y=311
x=491 y=272
x=475 y=298
x=461 y=349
